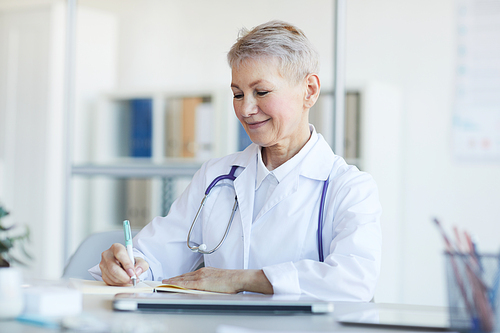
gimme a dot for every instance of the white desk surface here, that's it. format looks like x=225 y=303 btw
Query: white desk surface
x=99 y=307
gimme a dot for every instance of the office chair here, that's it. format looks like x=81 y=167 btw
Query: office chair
x=88 y=254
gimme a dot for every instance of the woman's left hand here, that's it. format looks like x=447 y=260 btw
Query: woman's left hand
x=229 y=281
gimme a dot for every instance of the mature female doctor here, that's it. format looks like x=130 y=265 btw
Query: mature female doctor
x=304 y=222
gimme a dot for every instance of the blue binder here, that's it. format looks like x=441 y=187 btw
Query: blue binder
x=141 y=127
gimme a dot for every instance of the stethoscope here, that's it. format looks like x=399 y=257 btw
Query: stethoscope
x=230 y=176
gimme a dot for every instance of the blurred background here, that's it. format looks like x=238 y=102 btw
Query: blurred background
x=111 y=121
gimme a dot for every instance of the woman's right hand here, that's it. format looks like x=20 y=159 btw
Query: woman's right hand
x=117 y=268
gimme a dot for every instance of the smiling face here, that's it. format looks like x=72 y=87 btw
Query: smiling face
x=270 y=107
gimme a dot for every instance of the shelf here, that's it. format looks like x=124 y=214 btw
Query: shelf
x=138 y=169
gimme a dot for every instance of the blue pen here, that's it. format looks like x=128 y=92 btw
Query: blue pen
x=128 y=245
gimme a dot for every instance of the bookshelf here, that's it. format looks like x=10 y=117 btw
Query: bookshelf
x=321 y=116
x=144 y=149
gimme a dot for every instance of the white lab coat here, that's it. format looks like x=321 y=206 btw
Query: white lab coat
x=283 y=238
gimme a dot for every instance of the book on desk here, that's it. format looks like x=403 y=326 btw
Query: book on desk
x=99 y=287
x=158 y=297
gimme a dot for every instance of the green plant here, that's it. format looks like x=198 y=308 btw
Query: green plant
x=9 y=237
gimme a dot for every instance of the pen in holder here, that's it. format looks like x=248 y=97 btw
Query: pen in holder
x=473 y=282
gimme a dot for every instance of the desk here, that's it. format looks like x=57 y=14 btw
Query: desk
x=100 y=308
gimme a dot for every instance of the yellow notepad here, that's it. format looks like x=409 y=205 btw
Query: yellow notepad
x=99 y=287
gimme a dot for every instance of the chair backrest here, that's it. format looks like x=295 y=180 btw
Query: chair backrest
x=88 y=254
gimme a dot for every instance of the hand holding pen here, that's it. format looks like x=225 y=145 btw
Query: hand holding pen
x=130 y=250
x=117 y=266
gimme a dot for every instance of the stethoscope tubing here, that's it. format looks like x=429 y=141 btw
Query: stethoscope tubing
x=197 y=248
x=320 y=221
x=202 y=247
x=229 y=176
x=214 y=182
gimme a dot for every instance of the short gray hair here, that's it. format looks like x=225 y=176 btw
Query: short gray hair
x=296 y=55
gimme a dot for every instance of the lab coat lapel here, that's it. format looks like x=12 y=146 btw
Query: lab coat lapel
x=315 y=165
x=244 y=186
x=285 y=188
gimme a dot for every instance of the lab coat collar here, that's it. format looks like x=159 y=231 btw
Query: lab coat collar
x=247 y=156
x=283 y=170
x=262 y=171
x=318 y=163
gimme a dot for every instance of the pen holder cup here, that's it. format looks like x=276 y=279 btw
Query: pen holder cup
x=473 y=283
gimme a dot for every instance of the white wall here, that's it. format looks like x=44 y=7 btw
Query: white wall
x=411 y=45
x=95 y=72
x=185 y=42
x=32 y=36
x=380 y=155
x=31 y=106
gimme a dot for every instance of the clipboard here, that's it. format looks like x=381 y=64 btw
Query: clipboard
x=228 y=303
